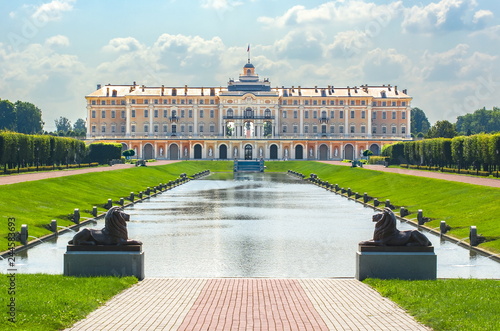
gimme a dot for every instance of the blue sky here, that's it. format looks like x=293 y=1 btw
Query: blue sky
x=445 y=52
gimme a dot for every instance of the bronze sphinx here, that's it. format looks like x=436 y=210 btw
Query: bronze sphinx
x=386 y=233
x=114 y=231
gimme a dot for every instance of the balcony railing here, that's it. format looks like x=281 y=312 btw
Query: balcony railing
x=252 y=117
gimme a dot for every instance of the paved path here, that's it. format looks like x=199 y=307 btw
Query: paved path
x=13 y=179
x=492 y=182
x=249 y=304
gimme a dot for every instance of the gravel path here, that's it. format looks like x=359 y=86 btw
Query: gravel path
x=492 y=182
x=13 y=179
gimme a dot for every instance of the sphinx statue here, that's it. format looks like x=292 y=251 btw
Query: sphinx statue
x=113 y=233
x=386 y=233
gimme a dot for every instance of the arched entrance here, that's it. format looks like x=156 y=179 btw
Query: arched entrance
x=248 y=152
x=148 y=153
x=273 y=152
x=375 y=149
x=173 y=152
x=223 y=152
x=299 y=152
x=124 y=147
x=197 y=152
x=348 y=152
x=323 y=152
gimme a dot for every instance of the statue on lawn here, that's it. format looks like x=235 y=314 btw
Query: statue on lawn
x=386 y=233
x=114 y=232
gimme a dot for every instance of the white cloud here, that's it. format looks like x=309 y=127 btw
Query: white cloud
x=52 y=11
x=492 y=32
x=301 y=44
x=350 y=12
x=58 y=40
x=444 y=15
x=127 y=44
x=220 y=4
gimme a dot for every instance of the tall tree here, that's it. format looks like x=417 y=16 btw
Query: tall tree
x=419 y=122
x=482 y=120
x=29 y=118
x=62 y=124
x=442 y=129
x=7 y=115
x=79 y=127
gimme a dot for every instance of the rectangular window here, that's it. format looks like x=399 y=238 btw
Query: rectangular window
x=113 y=102
x=353 y=102
x=190 y=128
x=374 y=103
x=93 y=102
x=122 y=129
x=201 y=113
x=93 y=113
x=103 y=129
x=323 y=102
x=201 y=128
x=146 y=113
x=306 y=102
x=103 y=102
x=183 y=113
x=212 y=101
x=113 y=114
x=341 y=102
x=394 y=103
x=165 y=101
x=190 y=101
x=93 y=128
x=133 y=101
x=352 y=114
x=332 y=102
x=212 y=128
x=363 y=129
x=341 y=114
x=123 y=114
x=374 y=115
x=103 y=114
x=403 y=115
x=146 y=101
x=156 y=128
x=384 y=115
x=341 y=129
x=284 y=113
x=393 y=115
x=295 y=102
x=374 y=130
x=315 y=114
x=202 y=101
x=295 y=114
x=174 y=102
x=165 y=113
x=352 y=128
x=363 y=114
x=384 y=103
x=384 y=130
x=190 y=113
x=132 y=128
x=332 y=129
x=306 y=114
x=165 y=128
x=403 y=103
x=284 y=128
x=306 y=129
x=332 y=113
x=156 y=112
x=284 y=102
x=403 y=130
x=315 y=129
x=393 y=130
x=183 y=101
x=156 y=102
x=212 y=113
x=132 y=113
x=315 y=102
x=295 y=129
x=363 y=103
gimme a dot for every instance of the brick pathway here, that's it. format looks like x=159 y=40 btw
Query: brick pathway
x=249 y=304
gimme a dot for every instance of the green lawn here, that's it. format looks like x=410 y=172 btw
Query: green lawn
x=54 y=302
x=447 y=304
x=36 y=203
x=460 y=205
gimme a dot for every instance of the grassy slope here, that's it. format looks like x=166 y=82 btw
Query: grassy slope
x=36 y=203
x=460 y=205
x=449 y=304
x=54 y=302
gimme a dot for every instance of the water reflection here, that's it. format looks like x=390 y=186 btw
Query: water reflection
x=258 y=225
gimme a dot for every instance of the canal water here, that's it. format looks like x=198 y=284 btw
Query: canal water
x=254 y=225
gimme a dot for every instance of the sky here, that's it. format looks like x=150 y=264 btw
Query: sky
x=446 y=53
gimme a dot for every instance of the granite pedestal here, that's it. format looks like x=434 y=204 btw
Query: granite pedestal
x=104 y=260
x=396 y=262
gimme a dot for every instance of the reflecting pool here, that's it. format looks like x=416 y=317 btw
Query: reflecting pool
x=255 y=225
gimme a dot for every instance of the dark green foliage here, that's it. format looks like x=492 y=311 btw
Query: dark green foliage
x=128 y=153
x=7 y=115
x=104 y=152
x=29 y=118
x=62 y=125
x=442 y=129
x=22 y=150
x=482 y=120
x=419 y=122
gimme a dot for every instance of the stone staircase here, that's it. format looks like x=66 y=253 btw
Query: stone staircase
x=248 y=166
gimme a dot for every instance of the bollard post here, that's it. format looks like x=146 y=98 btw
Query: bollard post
x=388 y=203
x=420 y=217
x=140 y=195
x=23 y=236
x=403 y=212
x=53 y=226
x=131 y=197
x=365 y=197
x=94 y=211
x=376 y=202
x=349 y=192
x=109 y=204
x=76 y=216
x=442 y=227
x=473 y=236
x=121 y=201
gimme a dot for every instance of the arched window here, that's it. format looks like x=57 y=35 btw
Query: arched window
x=229 y=113
x=267 y=113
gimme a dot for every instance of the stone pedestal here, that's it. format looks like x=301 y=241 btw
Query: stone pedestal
x=102 y=260
x=396 y=262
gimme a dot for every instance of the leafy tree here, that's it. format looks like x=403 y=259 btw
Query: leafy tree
x=268 y=129
x=80 y=128
x=128 y=153
x=481 y=121
x=419 y=121
x=442 y=129
x=7 y=115
x=62 y=124
x=29 y=118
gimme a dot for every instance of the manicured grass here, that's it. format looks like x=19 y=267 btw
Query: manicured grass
x=36 y=203
x=460 y=205
x=448 y=304
x=54 y=302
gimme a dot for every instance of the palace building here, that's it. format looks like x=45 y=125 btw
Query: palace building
x=249 y=119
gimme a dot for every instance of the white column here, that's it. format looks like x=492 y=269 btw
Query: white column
x=369 y=117
x=127 y=120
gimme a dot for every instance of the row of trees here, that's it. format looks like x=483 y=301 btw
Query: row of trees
x=21 y=150
x=476 y=152
x=25 y=117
